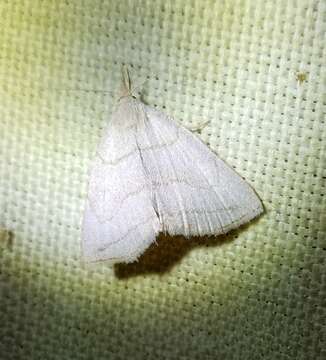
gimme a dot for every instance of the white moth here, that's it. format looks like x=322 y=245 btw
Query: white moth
x=149 y=176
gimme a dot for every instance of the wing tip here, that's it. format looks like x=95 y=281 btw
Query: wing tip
x=125 y=255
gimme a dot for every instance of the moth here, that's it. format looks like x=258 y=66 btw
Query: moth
x=151 y=175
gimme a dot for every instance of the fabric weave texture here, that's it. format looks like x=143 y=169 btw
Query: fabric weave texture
x=255 y=71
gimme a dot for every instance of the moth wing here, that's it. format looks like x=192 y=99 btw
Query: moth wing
x=194 y=192
x=119 y=220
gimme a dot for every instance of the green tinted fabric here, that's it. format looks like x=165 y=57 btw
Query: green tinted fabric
x=255 y=71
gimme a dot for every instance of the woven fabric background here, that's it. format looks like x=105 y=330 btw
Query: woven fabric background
x=252 y=68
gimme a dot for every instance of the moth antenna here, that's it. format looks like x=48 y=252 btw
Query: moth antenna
x=126 y=82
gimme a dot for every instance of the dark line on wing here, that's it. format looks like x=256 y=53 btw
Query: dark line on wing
x=146 y=148
x=127 y=233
